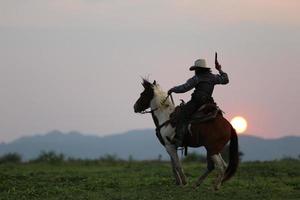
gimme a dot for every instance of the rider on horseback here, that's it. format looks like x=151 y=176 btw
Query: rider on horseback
x=203 y=81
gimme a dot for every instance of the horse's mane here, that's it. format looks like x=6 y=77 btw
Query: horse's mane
x=160 y=97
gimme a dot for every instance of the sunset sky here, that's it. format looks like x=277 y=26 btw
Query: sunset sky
x=77 y=64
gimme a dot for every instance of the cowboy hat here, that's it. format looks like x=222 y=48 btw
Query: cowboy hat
x=200 y=63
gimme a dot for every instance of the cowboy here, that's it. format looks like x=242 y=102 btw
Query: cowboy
x=203 y=81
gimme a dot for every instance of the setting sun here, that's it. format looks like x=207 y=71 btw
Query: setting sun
x=239 y=123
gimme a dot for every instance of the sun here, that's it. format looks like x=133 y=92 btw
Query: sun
x=239 y=124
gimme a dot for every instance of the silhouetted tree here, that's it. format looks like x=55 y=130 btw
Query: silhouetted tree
x=110 y=158
x=194 y=157
x=11 y=158
x=159 y=157
x=50 y=157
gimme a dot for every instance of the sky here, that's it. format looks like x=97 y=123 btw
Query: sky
x=77 y=64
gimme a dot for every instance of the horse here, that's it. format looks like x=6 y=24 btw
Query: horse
x=213 y=135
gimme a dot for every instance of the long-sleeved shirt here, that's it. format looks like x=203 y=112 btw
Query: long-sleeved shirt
x=203 y=84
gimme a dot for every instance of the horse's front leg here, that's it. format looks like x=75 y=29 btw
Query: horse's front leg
x=176 y=173
x=176 y=165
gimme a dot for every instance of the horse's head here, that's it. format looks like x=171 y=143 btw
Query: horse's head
x=146 y=96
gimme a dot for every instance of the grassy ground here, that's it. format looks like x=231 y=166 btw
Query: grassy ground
x=145 y=180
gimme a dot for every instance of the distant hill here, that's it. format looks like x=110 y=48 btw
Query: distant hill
x=140 y=144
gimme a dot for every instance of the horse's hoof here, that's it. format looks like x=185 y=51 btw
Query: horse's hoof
x=217 y=187
x=198 y=183
x=195 y=186
x=177 y=183
x=183 y=185
x=184 y=182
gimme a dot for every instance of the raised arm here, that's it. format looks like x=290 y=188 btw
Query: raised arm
x=221 y=78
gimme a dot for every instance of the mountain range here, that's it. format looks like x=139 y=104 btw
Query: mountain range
x=139 y=145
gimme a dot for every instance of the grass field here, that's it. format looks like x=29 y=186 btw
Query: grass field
x=145 y=180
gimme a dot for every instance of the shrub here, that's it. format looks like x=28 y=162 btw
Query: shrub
x=49 y=157
x=225 y=153
x=109 y=158
x=10 y=158
x=288 y=158
x=194 y=157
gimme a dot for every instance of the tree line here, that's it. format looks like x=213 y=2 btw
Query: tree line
x=55 y=158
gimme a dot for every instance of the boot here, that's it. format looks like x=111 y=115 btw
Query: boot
x=179 y=137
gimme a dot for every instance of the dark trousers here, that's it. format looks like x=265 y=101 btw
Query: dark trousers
x=187 y=110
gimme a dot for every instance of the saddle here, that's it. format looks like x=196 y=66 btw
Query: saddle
x=205 y=113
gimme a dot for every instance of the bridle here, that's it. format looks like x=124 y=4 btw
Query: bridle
x=159 y=126
x=149 y=111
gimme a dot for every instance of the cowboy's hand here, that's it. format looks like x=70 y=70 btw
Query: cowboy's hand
x=170 y=91
x=218 y=66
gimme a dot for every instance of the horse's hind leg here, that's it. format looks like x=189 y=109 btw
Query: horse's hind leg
x=210 y=167
x=219 y=163
x=223 y=161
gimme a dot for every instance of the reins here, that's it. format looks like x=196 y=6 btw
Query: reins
x=163 y=102
x=171 y=97
x=158 y=127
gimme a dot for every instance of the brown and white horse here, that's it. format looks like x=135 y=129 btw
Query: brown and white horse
x=213 y=135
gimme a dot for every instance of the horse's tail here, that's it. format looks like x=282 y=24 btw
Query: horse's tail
x=233 y=156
